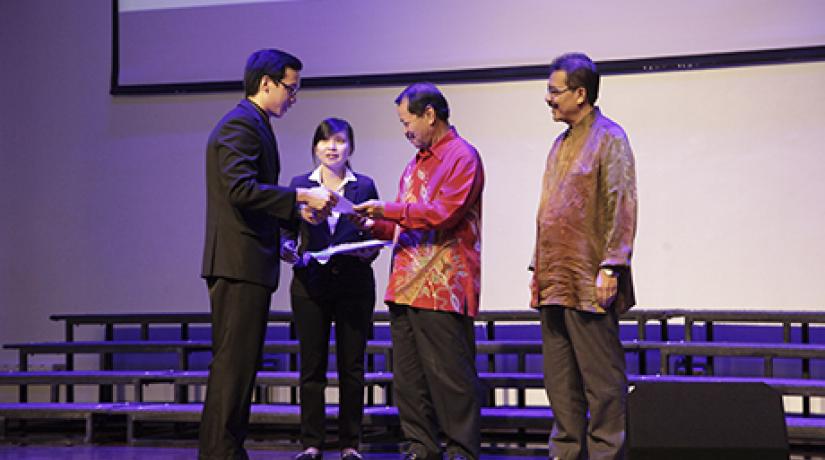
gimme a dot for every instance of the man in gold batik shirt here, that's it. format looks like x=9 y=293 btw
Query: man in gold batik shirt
x=582 y=282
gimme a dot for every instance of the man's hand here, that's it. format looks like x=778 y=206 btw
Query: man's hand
x=310 y=215
x=606 y=287
x=289 y=254
x=534 y=291
x=370 y=208
x=319 y=199
x=361 y=222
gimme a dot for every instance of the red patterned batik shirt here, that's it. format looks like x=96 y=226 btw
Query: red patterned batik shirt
x=436 y=224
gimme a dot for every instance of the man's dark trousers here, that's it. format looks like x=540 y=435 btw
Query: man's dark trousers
x=584 y=371
x=435 y=382
x=240 y=313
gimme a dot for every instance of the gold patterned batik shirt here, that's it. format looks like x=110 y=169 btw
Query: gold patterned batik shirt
x=586 y=217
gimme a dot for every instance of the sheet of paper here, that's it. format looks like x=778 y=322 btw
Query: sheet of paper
x=344 y=206
x=323 y=256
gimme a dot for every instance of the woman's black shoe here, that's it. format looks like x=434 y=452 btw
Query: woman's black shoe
x=308 y=456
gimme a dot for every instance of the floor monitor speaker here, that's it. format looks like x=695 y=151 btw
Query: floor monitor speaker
x=726 y=421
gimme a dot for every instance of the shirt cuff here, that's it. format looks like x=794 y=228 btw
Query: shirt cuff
x=383 y=230
x=393 y=210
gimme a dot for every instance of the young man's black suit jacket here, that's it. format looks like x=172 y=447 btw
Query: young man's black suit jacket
x=240 y=265
x=244 y=202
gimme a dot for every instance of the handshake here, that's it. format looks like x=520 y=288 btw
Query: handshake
x=317 y=203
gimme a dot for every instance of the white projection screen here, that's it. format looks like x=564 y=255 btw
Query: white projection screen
x=166 y=42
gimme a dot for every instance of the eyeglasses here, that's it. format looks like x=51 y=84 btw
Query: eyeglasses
x=556 y=92
x=291 y=90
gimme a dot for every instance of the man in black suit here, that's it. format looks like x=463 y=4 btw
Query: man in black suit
x=240 y=260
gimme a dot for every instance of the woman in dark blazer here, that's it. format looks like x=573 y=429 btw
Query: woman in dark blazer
x=341 y=290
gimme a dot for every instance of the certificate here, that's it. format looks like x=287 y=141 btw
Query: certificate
x=323 y=256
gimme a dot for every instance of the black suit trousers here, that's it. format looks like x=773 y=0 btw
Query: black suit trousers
x=240 y=312
x=349 y=304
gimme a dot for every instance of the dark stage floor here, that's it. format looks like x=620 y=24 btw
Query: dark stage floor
x=86 y=452
x=9 y=452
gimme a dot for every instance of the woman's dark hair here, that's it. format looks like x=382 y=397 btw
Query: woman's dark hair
x=269 y=62
x=330 y=127
x=581 y=73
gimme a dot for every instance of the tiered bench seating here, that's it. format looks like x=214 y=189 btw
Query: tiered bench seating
x=57 y=411
x=800 y=429
x=520 y=348
x=806 y=428
x=510 y=380
x=767 y=351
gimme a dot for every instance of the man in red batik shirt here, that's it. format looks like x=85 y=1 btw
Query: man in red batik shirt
x=433 y=291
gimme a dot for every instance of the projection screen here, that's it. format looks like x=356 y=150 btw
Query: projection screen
x=161 y=42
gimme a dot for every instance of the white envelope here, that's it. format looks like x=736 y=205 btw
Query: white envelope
x=344 y=206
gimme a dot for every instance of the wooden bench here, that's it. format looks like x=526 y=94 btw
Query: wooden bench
x=787 y=319
x=492 y=380
x=521 y=348
x=57 y=378
x=487 y=344
x=182 y=348
x=87 y=412
x=185 y=347
x=138 y=379
x=183 y=320
x=491 y=318
x=767 y=351
x=800 y=429
x=540 y=418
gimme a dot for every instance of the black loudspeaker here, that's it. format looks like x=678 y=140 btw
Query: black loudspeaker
x=708 y=421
